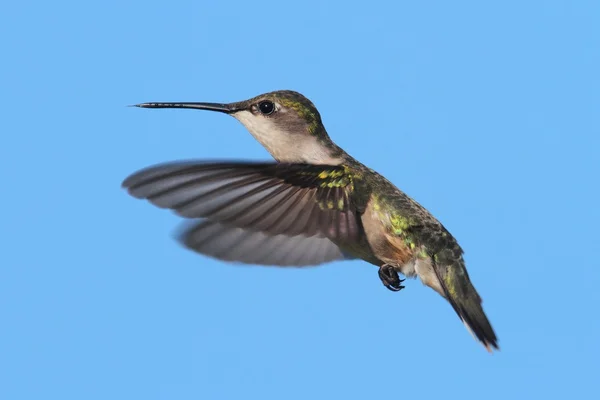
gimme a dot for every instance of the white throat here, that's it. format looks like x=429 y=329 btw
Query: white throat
x=285 y=146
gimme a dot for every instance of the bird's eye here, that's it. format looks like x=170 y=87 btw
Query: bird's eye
x=266 y=107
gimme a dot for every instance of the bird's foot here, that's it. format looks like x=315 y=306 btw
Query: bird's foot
x=390 y=278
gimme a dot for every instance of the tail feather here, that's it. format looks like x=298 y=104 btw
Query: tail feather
x=461 y=294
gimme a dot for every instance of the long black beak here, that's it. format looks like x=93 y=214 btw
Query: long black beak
x=226 y=108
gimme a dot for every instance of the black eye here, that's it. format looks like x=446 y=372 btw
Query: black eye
x=266 y=107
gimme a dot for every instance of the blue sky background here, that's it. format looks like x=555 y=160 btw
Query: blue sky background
x=487 y=114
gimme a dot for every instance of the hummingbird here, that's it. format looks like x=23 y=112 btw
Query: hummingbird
x=314 y=204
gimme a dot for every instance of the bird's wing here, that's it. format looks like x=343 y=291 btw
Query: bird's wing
x=229 y=243
x=278 y=200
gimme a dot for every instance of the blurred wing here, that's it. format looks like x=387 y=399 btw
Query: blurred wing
x=230 y=243
x=273 y=198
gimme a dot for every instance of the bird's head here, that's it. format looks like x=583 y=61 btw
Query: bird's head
x=285 y=122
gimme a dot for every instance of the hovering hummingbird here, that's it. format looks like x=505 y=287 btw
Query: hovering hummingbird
x=313 y=205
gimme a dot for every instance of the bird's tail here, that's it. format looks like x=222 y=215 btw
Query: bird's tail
x=460 y=292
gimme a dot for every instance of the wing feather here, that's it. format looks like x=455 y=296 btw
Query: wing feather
x=274 y=198
x=242 y=245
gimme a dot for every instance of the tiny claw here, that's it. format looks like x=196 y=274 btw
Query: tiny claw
x=390 y=278
x=395 y=288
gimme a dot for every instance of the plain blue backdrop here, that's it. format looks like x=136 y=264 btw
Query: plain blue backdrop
x=486 y=112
